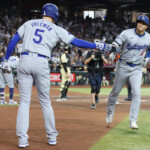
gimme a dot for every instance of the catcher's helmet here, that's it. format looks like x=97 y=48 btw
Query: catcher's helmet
x=68 y=48
x=144 y=19
x=50 y=10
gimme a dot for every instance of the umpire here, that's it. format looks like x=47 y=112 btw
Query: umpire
x=65 y=72
x=94 y=61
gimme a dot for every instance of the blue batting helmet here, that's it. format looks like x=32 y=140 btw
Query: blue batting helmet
x=144 y=19
x=50 y=10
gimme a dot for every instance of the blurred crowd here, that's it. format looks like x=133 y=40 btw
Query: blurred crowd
x=87 y=29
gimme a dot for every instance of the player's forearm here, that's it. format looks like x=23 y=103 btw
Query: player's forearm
x=105 y=61
x=11 y=45
x=87 y=60
x=83 y=44
x=115 y=47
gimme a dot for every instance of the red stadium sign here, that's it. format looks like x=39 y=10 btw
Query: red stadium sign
x=55 y=77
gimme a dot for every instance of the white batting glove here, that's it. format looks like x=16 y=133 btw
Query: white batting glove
x=108 y=47
x=5 y=66
x=145 y=62
x=103 y=47
x=112 y=56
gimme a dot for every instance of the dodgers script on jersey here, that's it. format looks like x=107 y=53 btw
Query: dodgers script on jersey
x=35 y=41
x=133 y=46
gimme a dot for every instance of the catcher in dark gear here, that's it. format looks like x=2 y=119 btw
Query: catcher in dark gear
x=65 y=72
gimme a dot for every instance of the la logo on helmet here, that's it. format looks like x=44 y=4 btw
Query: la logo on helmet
x=44 y=13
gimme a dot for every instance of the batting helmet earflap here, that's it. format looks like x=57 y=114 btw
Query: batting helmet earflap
x=50 y=10
x=144 y=19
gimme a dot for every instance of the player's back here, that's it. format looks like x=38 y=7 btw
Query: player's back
x=41 y=35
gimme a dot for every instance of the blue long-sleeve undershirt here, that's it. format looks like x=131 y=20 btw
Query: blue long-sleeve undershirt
x=11 y=45
x=83 y=44
x=76 y=42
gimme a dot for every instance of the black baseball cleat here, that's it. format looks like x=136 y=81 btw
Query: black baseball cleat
x=96 y=99
x=127 y=99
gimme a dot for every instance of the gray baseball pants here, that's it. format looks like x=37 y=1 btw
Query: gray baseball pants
x=134 y=75
x=34 y=69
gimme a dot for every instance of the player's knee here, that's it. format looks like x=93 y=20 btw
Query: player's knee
x=62 y=88
x=67 y=84
x=97 y=91
x=98 y=88
x=136 y=95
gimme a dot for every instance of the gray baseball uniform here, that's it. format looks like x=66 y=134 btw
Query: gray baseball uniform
x=133 y=50
x=39 y=37
x=7 y=78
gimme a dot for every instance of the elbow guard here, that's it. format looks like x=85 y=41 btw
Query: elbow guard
x=115 y=47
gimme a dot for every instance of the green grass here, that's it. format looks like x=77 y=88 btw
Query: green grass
x=6 y=105
x=14 y=95
x=123 y=138
x=106 y=91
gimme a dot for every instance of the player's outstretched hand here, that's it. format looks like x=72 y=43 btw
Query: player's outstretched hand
x=108 y=47
x=5 y=66
x=102 y=46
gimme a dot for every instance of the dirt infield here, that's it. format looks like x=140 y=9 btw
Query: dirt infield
x=79 y=127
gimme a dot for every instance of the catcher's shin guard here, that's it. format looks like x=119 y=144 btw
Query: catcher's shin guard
x=65 y=89
x=65 y=93
x=62 y=93
x=67 y=86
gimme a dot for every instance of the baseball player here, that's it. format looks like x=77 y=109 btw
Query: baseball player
x=133 y=44
x=65 y=73
x=39 y=37
x=94 y=61
x=6 y=78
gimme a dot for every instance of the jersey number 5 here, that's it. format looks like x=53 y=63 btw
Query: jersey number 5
x=38 y=33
